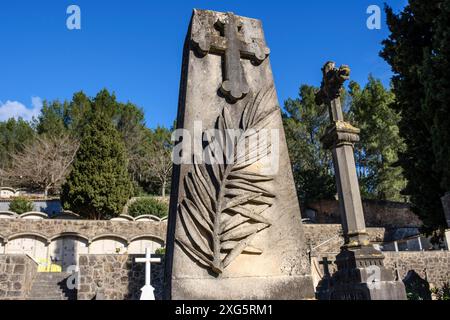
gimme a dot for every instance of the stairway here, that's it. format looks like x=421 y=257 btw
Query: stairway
x=51 y=286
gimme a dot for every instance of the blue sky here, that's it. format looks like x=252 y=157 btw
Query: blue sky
x=134 y=48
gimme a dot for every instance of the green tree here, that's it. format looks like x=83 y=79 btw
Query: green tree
x=304 y=124
x=21 y=205
x=418 y=51
x=99 y=186
x=52 y=119
x=14 y=135
x=72 y=117
x=377 y=152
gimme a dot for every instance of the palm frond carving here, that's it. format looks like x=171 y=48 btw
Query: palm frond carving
x=225 y=198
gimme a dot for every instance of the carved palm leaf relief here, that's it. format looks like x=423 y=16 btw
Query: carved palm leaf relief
x=225 y=198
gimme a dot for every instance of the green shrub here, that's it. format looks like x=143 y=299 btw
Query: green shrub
x=151 y=206
x=161 y=251
x=21 y=205
x=442 y=293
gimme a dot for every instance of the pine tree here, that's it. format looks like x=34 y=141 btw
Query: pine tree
x=304 y=125
x=99 y=186
x=377 y=152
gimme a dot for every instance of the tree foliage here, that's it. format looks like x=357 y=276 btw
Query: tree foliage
x=148 y=206
x=99 y=186
x=146 y=149
x=418 y=51
x=21 y=205
x=304 y=124
x=377 y=152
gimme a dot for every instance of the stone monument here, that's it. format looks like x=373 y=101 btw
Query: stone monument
x=235 y=227
x=361 y=274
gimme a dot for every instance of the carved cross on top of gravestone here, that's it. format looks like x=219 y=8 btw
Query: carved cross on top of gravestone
x=329 y=93
x=227 y=37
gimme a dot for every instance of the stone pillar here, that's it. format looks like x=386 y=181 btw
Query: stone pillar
x=339 y=138
x=361 y=274
x=234 y=229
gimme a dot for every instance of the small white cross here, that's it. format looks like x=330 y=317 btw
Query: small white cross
x=147 y=289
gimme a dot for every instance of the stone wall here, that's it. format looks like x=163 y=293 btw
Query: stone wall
x=89 y=229
x=120 y=277
x=433 y=266
x=328 y=237
x=17 y=273
x=59 y=243
x=377 y=213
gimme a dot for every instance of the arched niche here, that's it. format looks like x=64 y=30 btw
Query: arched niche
x=108 y=244
x=65 y=249
x=138 y=245
x=34 y=245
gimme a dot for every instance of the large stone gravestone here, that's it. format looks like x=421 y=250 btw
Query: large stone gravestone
x=235 y=228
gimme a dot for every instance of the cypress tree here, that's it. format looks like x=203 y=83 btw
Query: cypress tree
x=99 y=186
x=418 y=52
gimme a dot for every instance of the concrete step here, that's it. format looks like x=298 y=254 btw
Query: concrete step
x=51 y=286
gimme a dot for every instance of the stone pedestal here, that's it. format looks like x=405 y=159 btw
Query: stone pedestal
x=361 y=275
x=234 y=231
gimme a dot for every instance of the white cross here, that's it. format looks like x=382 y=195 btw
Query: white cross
x=147 y=289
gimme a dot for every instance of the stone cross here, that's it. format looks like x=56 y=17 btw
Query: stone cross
x=147 y=289
x=357 y=254
x=340 y=138
x=326 y=263
x=226 y=37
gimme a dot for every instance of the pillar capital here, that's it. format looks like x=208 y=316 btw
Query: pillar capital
x=340 y=133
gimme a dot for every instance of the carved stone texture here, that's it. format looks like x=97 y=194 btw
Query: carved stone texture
x=330 y=89
x=340 y=133
x=226 y=35
x=224 y=203
x=234 y=229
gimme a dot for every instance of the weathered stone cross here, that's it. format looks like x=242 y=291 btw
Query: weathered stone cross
x=147 y=289
x=232 y=44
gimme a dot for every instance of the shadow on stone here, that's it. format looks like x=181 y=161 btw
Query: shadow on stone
x=417 y=288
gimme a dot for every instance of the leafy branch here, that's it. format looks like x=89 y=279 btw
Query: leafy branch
x=224 y=202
